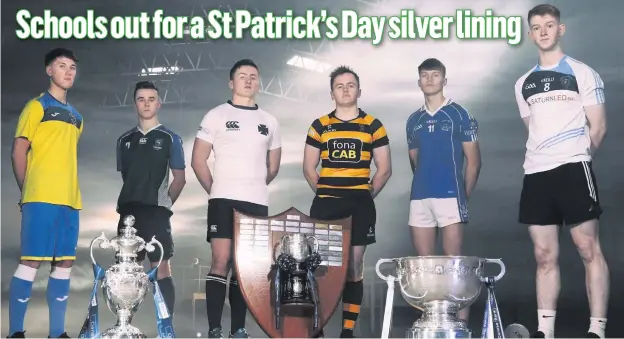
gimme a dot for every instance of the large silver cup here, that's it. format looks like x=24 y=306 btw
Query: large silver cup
x=299 y=246
x=439 y=286
x=125 y=283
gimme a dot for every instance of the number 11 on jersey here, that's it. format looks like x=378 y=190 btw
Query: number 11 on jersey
x=431 y=128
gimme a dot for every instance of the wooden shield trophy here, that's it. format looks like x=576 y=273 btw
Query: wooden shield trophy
x=260 y=243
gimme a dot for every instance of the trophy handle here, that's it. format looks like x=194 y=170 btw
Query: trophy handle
x=104 y=244
x=379 y=263
x=502 y=269
x=150 y=248
x=315 y=243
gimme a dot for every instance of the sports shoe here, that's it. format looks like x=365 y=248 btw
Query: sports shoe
x=63 y=335
x=538 y=334
x=216 y=333
x=18 y=335
x=240 y=333
x=591 y=335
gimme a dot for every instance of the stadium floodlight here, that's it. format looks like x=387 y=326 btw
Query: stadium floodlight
x=308 y=64
x=160 y=71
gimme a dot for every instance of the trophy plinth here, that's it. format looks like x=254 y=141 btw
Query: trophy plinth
x=440 y=286
x=125 y=283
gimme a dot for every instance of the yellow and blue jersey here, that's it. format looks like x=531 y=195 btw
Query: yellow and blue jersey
x=53 y=129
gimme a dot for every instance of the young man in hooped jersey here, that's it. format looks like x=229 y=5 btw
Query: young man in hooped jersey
x=561 y=101
x=346 y=142
x=246 y=142
x=441 y=137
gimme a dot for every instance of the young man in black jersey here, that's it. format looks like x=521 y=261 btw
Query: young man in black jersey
x=145 y=155
x=346 y=141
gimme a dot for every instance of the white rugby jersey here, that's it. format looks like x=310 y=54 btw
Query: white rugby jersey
x=555 y=98
x=240 y=136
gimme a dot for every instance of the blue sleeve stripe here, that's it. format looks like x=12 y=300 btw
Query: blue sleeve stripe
x=599 y=91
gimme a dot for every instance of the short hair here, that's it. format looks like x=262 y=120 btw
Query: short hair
x=432 y=64
x=144 y=85
x=544 y=9
x=340 y=70
x=241 y=63
x=59 y=53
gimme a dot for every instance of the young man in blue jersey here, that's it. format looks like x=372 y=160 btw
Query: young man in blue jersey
x=45 y=164
x=445 y=159
x=561 y=102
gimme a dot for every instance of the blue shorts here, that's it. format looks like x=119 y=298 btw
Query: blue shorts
x=49 y=232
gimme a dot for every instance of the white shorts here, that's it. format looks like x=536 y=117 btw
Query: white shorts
x=432 y=212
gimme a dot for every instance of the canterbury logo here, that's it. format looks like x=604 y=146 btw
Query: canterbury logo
x=231 y=125
x=61 y=298
x=23 y=300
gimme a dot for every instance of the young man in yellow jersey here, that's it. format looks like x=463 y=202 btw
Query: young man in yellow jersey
x=45 y=165
x=346 y=141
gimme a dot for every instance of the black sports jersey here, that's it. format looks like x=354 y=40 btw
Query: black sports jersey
x=144 y=160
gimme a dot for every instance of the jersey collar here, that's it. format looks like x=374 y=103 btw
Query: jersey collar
x=149 y=130
x=360 y=115
x=445 y=103
x=249 y=108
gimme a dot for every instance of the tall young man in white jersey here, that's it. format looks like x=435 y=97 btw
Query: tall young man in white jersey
x=246 y=142
x=440 y=135
x=344 y=187
x=561 y=101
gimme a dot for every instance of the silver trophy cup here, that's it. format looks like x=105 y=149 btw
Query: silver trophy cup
x=439 y=286
x=125 y=283
x=298 y=247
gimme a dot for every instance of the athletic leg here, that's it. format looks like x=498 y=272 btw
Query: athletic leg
x=59 y=280
x=158 y=219
x=37 y=245
x=538 y=208
x=220 y=224
x=581 y=210
x=238 y=305
x=364 y=217
x=422 y=227
x=451 y=221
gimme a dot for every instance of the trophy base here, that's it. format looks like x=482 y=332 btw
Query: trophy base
x=297 y=302
x=421 y=333
x=126 y=332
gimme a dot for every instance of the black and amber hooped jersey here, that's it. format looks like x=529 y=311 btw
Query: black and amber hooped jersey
x=346 y=152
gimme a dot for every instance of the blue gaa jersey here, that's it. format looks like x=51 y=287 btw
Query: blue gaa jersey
x=439 y=136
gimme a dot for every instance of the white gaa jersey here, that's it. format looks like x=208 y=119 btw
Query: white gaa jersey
x=555 y=98
x=241 y=137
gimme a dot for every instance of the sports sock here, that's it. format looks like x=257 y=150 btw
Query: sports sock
x=546 y=322
x=598 y=326
x=167 y=289
x=237 y=305
x=215 y=299
x=57 y=295
x=351 y=301
x=19 y=293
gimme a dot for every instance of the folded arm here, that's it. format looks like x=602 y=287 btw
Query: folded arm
x=473 y=165
x=597 y=121
x=274 y=158
x=383 y=163
x=199 y=163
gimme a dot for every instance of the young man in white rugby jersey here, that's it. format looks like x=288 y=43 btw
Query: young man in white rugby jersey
x=561 y=101
x=247 y=144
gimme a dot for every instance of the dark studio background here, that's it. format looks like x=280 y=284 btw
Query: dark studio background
x=481 y=75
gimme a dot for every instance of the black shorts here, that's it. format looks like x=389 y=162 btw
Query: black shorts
x=150 y=221
x=566 y=195
x=221 y=216
x=361 y=210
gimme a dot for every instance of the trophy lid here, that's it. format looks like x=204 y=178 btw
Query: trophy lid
x=129 y=243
